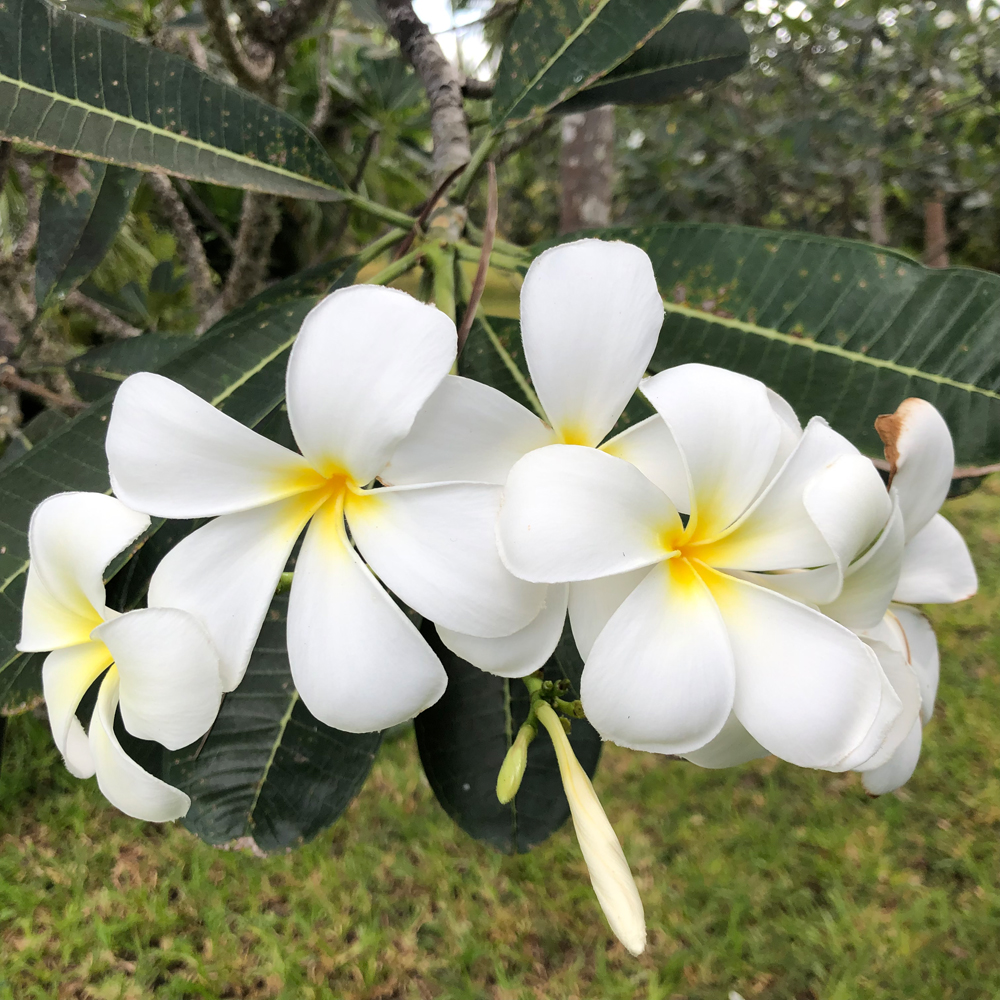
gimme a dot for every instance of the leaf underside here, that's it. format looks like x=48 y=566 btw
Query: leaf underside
x=695 y=50
x=73 y=86
x=555 y=49
x=463 y=740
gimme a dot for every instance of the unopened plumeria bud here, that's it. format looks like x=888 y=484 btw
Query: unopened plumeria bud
x=609 y=871
x=512 y=769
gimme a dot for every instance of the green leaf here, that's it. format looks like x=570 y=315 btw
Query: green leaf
x=76 y=231
x=268 y=769
x=464 y=738
x=695 y=50
x=99 y=371
x=238 y=365
x=841 y=329
x=73 y=86
x=555 y=49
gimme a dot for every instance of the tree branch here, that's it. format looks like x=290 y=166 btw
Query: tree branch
x=478 y=90
x=188 y=240
x=449 y=129
x=28 y=236
x=253 y=74
x=12 y=380
x=107 y=321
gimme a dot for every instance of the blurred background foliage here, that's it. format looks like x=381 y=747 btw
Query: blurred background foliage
x=852 y=118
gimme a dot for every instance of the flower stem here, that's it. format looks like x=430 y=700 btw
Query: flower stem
x=479 y=157
x=397 y=268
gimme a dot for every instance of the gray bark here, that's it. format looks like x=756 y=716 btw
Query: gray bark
x=586 y=169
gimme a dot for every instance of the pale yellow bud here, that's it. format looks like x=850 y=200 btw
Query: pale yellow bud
x=512 y=769
x=609 y=871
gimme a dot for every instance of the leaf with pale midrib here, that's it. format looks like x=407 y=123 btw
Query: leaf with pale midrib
x=73 y=86
x=841 y=329
x=238 y=365
x=76 y=231
x=268 y=769
x=554 y=49
x=695 y=50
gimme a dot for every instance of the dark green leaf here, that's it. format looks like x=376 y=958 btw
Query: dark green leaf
x=76 y=231
x=464 y=738
x=70 y=85
x=695 y=50
x=555 y=49
x=267 y=768
x=101 y=370
x=238 y=365
x=841 y=329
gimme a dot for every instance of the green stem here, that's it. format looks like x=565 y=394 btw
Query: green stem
x=522 y=383
x=479 y=157
x=442 y=263
x=499 y=260
x=380 y=211
x=511 y=249
x=376 y=249
x=397 y=268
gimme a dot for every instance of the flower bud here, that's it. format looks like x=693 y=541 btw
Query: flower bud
x=609 y=871
x=512 y=769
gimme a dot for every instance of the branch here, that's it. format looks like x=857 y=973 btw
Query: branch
x=259 y=225
x=449 y=129
x=107 y=322
x=489 y=233
x=28 y=236
x=478 y=90
x=207 y=216
x=14 y=381
x=188 y=240
x=252 y=74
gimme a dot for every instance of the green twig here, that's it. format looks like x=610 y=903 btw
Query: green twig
x=479 y=157
x=397 y=268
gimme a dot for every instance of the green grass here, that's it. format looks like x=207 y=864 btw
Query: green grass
x=768 y=880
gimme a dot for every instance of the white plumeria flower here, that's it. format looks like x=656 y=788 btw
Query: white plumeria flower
x=935 y=568
x=365 y=361
x=694 y=653
x=609 y=871
x=590 y=317
x=161 y=667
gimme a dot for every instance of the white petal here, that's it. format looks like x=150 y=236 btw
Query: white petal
x=849 y=504
x=897 y=771
x=173 y=454
x=777 y=532
x=808 y=586
x=71 y=539
x=937 y=567
x=651 y=448
x=572 y=513
x=168 y=672
x=356 y=659
x=590 y=318
x=870 y=582
x=523 y=652
x=922 y=458
x=66 y=676
x=900 y=706
x=225 y=574
x=593 y=602
x=925 y=660
x=609 y=871
x=366 y=360
x=468 y=432
x=435 y=548
x=807 y=688
x=733 y=745
x=660 y=675
x=728 y=433
x=124 y=783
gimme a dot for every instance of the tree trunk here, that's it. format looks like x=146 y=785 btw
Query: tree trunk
x=586 y=168
x=878 y=231
x=935 y=234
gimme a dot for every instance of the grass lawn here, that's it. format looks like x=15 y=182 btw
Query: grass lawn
x=766 y=880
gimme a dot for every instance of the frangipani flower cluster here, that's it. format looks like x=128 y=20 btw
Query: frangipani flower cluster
x=733 y=580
